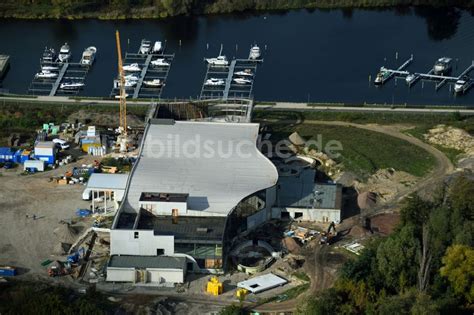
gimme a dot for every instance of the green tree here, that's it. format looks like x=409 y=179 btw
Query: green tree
x=397 y=259
x=459 y=270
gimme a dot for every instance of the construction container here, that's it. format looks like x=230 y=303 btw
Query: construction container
x=46 y=151
x=7 y=271
x=6 y=155
x=54 y=130
x=214 y=287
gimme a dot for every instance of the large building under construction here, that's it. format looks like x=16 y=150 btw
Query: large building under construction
x=188 y=180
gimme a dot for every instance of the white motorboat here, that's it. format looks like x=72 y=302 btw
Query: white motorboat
x=220 y=61
x=153 y=83
x=157 y=47
x=442 y=66
x=242 y=81
x=46 y=75
x=410 y=78
x=130 y=83
x=88 y=56
x=160 y=62
x=49 y=55
x=254 y=52
x=244 y=73
x=49 y=68
x=214 y=82
x=131 y=77
x=145 y=47
x=381 y=76
x=132 y=68
x=71 y=85
x=462 y=85
x=64 y=53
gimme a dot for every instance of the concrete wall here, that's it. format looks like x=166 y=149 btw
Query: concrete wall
x=317 y=215
x=164 y=207
x=156 y=275
x=123 y=242
x=121 y=274
x=257 y=218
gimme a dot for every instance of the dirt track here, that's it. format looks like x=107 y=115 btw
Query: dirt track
x=427 y=183
x=316 y=267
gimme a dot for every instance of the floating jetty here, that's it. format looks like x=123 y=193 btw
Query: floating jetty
x=148 y=72
x=4 y=64
x=230 y=88
x=386 y=74
x=65 y=72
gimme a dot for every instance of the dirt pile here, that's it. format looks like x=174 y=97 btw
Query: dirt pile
x=386 y=183
x=450 y=137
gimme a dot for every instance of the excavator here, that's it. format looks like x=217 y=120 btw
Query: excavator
x=329 y=236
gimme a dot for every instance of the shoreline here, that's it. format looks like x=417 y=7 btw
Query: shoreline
x=151 y=13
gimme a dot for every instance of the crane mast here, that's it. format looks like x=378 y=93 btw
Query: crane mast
x=123 y=101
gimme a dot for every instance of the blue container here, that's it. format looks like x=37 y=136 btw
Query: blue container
x=7 y=272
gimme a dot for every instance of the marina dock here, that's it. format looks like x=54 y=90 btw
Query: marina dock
x=148 y=72
x=66 y=72
x=440 y=80
x=230 y=89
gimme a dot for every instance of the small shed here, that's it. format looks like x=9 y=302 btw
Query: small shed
x=153 y=270
x=34 y=166
x=46 y=151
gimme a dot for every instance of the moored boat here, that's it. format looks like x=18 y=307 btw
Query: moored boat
x=462 y=85
x=242 y=81
x=157 y=47
x=88 y=56
x=254 y=52
x=442 y=65
x=160 y=62
x=145 y=47
x=46 y=75
x=64 y=53
x=244 y=73
x=153 y=83
x=132 y=68
x=214 y=82
x=71 y=85
x=220 y=61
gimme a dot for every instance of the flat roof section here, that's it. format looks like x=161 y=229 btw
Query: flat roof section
x=142 y=262
x=101 y=181
x=217 y=164
x=210 y=229
x=262 y=283
x=163 y=197
x=300 y=191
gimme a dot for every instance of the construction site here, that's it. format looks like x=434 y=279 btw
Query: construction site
x=157 y=206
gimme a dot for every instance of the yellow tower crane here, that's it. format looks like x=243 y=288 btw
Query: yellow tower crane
x=122 y=98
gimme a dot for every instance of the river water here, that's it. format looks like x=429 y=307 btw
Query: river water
x=315 y=56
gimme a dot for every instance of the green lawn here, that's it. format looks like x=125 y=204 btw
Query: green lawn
x=364 y=152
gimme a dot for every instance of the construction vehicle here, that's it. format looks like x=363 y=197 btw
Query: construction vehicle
x=329 y=236
x=214 y=286
x=76 y=256
x=241 y=293
x=58 y=269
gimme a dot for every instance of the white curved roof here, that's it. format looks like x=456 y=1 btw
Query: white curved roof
x=217 y=164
